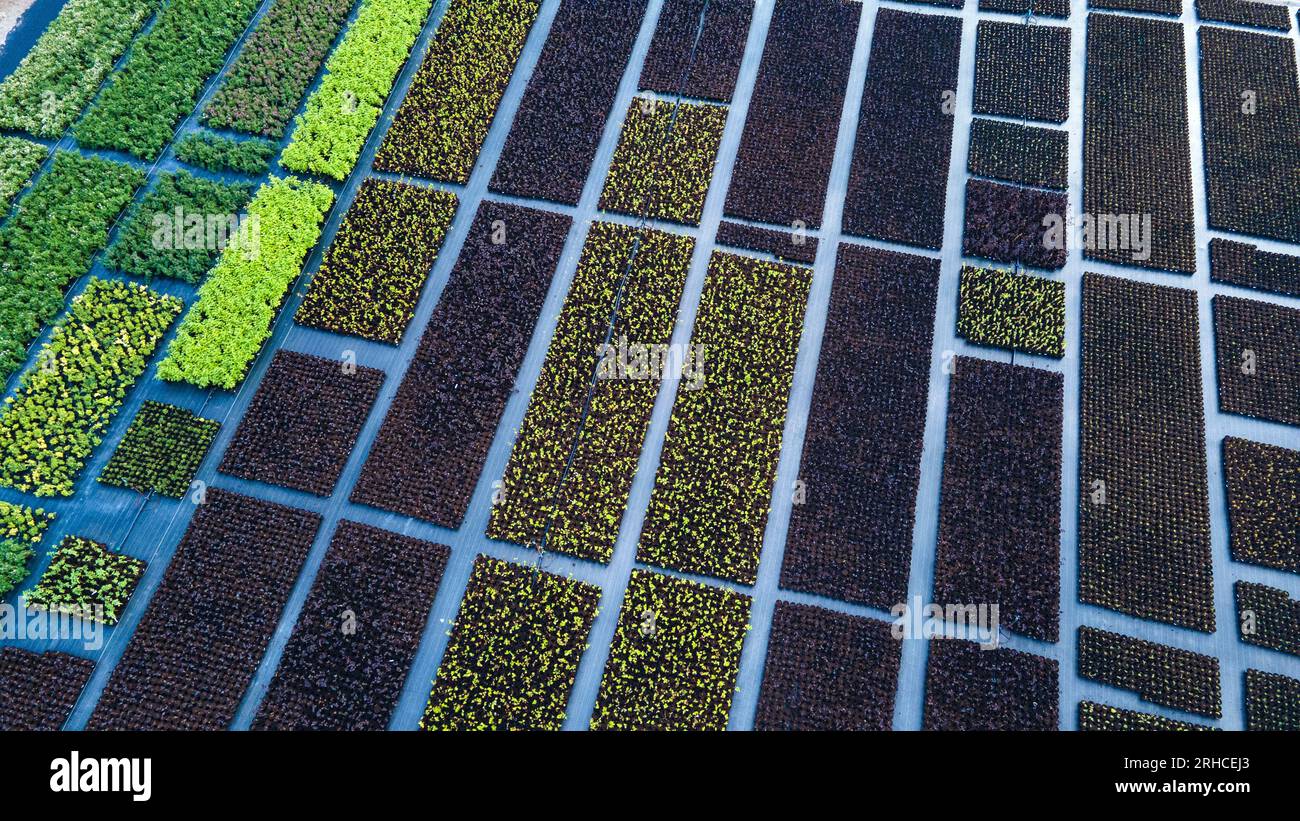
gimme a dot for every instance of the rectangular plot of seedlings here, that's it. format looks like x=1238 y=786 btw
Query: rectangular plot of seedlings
x=514 y=650
x=970 y=688
x=664 y=160
x=1012 y=224
x=303 y=422
x=574 y=458
x=1239 y=263
x=346 y=662
x=450 y=402
x=1250 y=104
x=1158 y=673
x=1136 y=150
x=1173 y=8
x=227 y=585
x=1263 y=486
x=1268 y=617
x=1000 y=520
x=87 y=580
x=827 y=671
x=789 y=246
x=562 y=115
x=1245 y=13
x=1041 y=8
x=1009 y=310
x=899 y=177
x=1022 y=71
x=1026 y=154
x=784 y=161
x=862 y=448
x=713 y=60
x=369 y=283
x=40 y=689
x=1095 y=717
x=674 y=658
x=1272 y=702
x=1144 y=519
x=161 y=451
x=724 y=437
x=1257 y=348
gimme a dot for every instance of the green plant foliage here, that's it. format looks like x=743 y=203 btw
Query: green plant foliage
x=581 y=516
x=19 y=160
x=66 y=66
x=83 y=576
x=712 y=494
x=14 y=556
x=1009 y=310
x=203 y=149
x=50 y=241
x=370 y=281
x=445 y=117
x=23 y=523
x=66 y=401
x=664 y=160
x=514 y=650
x=179 y=228
x=219 y=338
x=675 y=656
x=161 y=451
x=161 y=79
x=329 y=135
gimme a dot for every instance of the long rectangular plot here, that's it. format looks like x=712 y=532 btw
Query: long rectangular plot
x=573 y=461
x=569 y=97
x=724 y=436
x=1144 y=530
x=1173 y=8
x=704 y=69
x=1245 y=265
x=198 y=645
x=39 y=689
x=1137 y=156
x=898 y=181
x=789 y=246
x=1250 y=103
x=1000 y=521
x=851 y=537
x=1095 y=717
x=784 y=162
x=1257 y=351
x=433 y=443
x=1158 y=673
x=1245 y=13
x=346 y=662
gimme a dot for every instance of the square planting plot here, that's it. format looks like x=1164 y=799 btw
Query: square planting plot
x=664 y=160
x=724 y=436
x=1011 y=224
x=1263 y=484
x=1257 y=347
x=970 y=688
x=161 y=451
x=862 y=447
x=1000 y=521
x=1250 y=104
x=1144 y=508
x=1268 y=617
x=1136 y=149
x=40 y=689
x=1008 y=310
x=562 y=115
x=1041 y=8
x=370 y=280
x=784 y=161
x=228 y=583
x=675 y=656
x=1095 y=717
x=346 y=662
x=514 y=650
x=899 y=177
x=449 y=108
x=87 y=580
x=713 y=59
x=828 y=671
x=787 y=246
x=1158 y=673
x=433 y=443
x=1026 y=154
x=1272 y=702
x=1245 y=13
x=1242 y=264
x=303 y=422
x=1173 y=8
x=574 y=458
x=1022 y=71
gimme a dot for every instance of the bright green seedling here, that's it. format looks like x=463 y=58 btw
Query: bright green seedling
x=86 y=579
